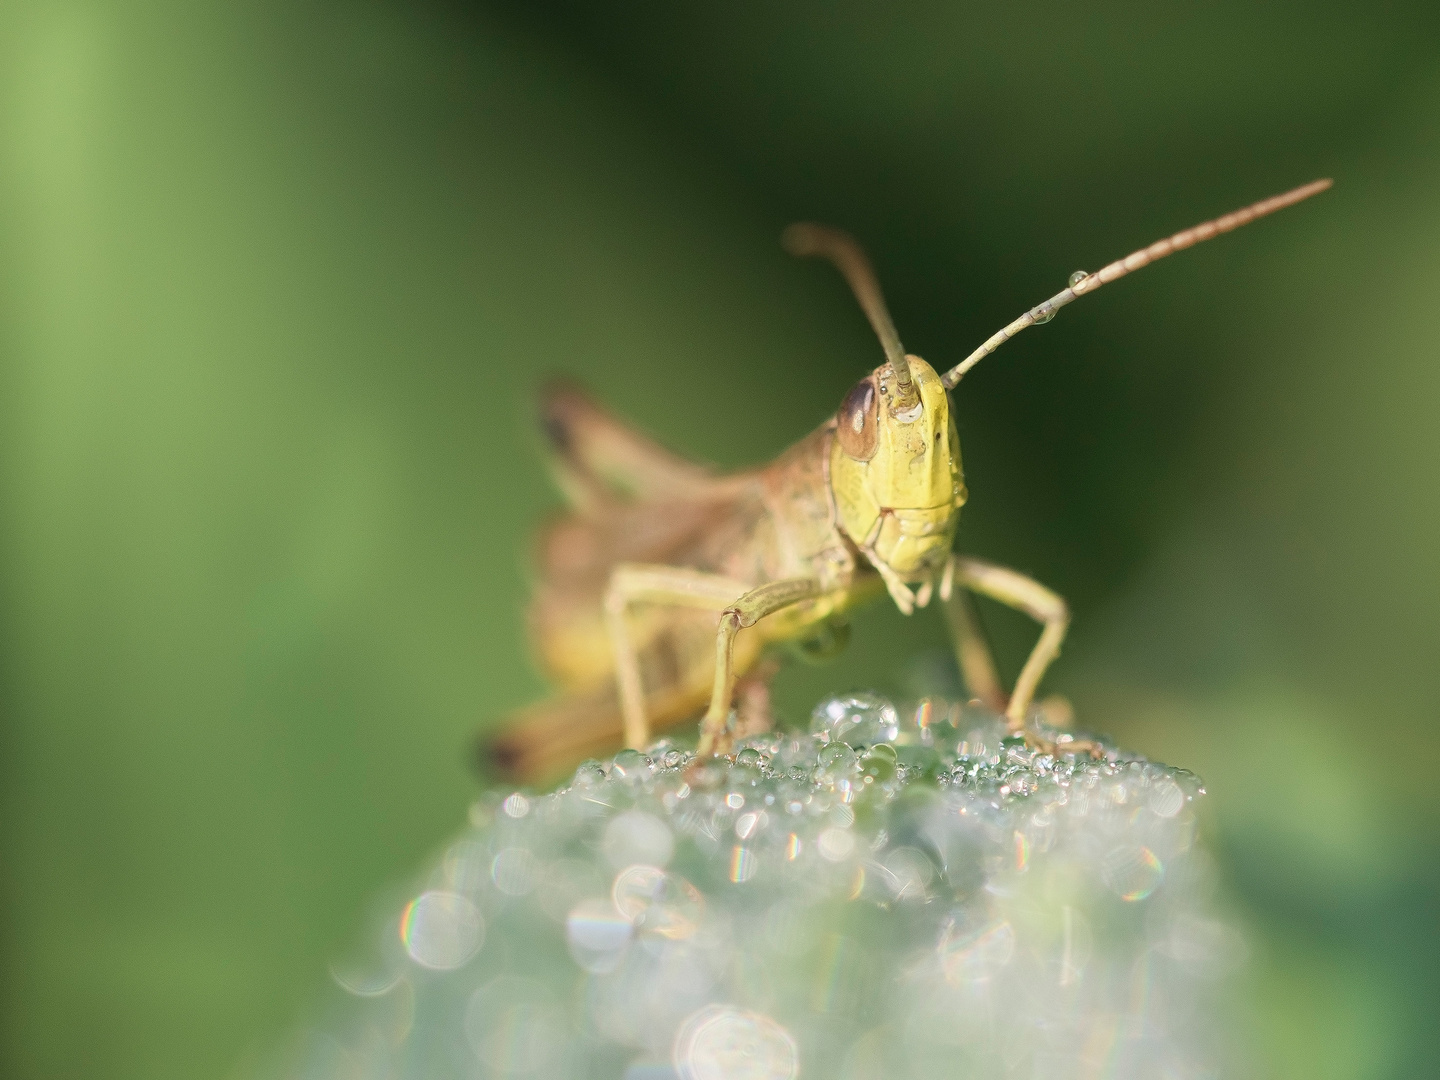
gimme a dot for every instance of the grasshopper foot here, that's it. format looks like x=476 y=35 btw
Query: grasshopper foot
x=1046 y=733
x=1064 y=744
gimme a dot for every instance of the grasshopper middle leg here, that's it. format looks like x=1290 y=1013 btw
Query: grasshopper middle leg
x=1014 y=590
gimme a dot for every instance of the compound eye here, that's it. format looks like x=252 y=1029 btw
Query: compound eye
x=855 y=423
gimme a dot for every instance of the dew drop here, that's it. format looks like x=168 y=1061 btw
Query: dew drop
x=1133 y=872
x=855 y=720
x=1166 y=798
x=835 y=844
x=743 y=864
x=514 y=871
x=637 y=837
x=973 y=949
x=631 y=765
x=364 y=980
x=721 y=1042
x=597 y=934
x=1077 y=277
x=441 y=930
x=590 y=774
x=657 y=902
x=908 y=873
x=513 y=1025
x=750 y=823
x=878 y=763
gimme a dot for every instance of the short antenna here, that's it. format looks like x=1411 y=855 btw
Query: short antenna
x=1082 y=283
x=806 y=238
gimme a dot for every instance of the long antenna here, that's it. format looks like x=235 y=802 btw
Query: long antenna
x=1081 y=283
x=806 y=238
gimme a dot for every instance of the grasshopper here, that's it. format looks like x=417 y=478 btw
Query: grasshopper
x=667 y=585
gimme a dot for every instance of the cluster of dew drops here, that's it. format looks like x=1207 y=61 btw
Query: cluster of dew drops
x=892 y=892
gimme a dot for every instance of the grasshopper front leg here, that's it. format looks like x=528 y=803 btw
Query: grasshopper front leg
x=1015 y=590
x=675 y=586
x=746 y=611
x=681 y=587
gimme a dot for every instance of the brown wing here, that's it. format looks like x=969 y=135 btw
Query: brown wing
x=598 y=458
x=633 y=502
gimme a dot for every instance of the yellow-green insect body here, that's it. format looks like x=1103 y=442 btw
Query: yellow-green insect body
x=656 y=550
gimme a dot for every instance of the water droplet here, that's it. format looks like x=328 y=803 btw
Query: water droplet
x=1077 y=277
x=743 y=864
x=466 y=866
x=1166 y=798
x=744 y=776
x=589 y=774
x=366 y=980
x=441 y=930
x=750 y=757
x=804 y=870
x=637 y=837
x=835 y=844
x=721 y=1042
x=855 y=720
x=878 y=762
x=597 y=934
x=514 y=871
x=1041 y=315
x=750 y=823
x=909 y=873
x=564 y=883
x=1022 y=782
x=1133 y=872
x=973 y=948
x=657 y=902
x=631 y=765
x=513 y=1025
x=1076 y=942
x=836 y=759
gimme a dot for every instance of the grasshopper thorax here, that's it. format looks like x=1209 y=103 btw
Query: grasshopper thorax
x=895 y=473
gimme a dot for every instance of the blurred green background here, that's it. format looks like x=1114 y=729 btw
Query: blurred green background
x=277 y=281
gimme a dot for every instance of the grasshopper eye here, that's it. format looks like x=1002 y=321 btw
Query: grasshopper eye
x=855 y=424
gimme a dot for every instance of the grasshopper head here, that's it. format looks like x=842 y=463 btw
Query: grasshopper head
x=895 y=457
x=895 y=471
